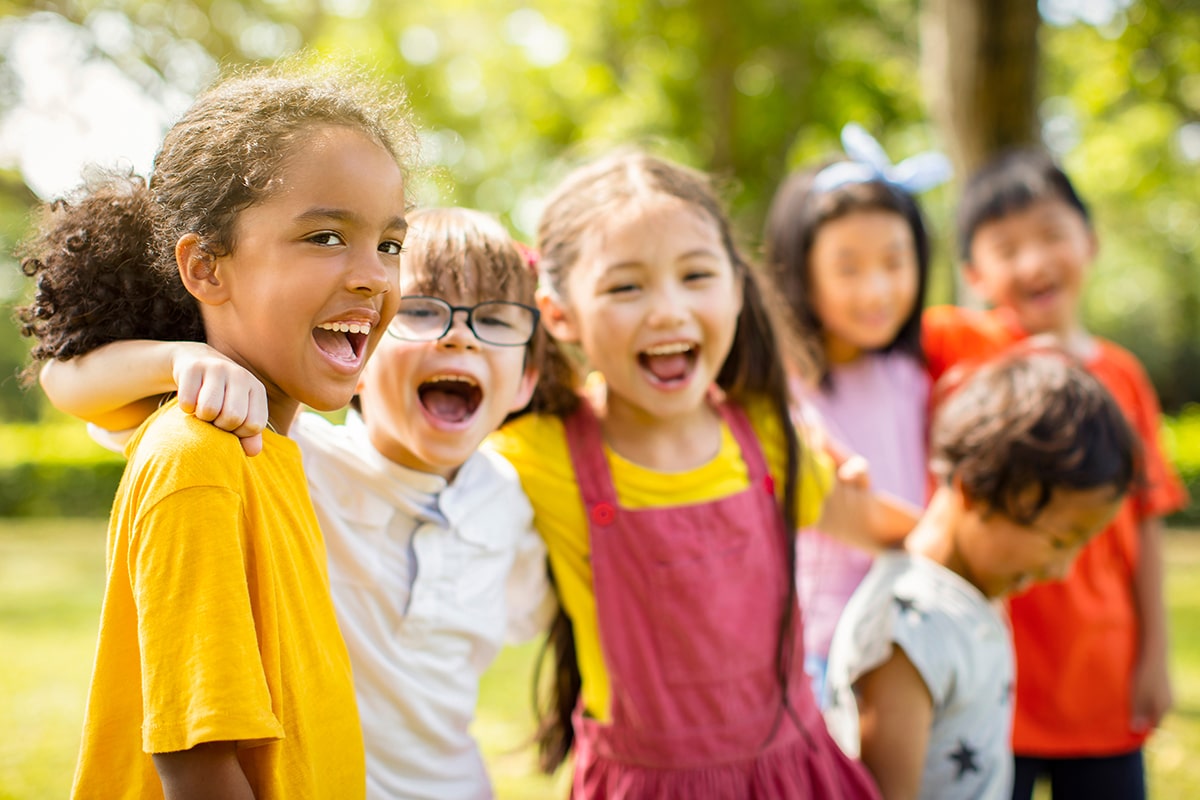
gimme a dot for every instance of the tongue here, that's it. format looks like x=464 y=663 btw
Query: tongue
x=449 y=406
x=334 y=343
x=668 y=368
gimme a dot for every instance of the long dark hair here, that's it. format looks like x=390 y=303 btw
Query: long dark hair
x=755 y=368
x=797 y=213
x=104 y=257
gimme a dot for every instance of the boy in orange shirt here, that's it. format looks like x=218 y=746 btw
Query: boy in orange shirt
x=1091 y=650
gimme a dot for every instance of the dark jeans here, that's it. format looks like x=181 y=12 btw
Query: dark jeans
x=1120 y=777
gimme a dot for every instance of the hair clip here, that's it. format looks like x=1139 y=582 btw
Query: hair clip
x=528 y=253
x=868 y=162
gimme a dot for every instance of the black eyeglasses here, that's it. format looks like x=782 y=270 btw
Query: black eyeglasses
x=499 y=322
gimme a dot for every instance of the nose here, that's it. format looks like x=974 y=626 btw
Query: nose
x=372 y=273
x=460 y=334
x=1031 y=260
x=667 y=307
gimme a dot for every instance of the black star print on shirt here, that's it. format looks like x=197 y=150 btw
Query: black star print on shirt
x=964 y=758
x=908 y=606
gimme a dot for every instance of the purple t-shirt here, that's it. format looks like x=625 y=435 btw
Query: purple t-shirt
x=876 y=407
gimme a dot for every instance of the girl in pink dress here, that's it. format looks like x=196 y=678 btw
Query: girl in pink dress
x=847 y=245
x=668 y=494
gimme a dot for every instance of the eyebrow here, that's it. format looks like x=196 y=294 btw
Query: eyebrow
x=698 y=252
x=342 y=215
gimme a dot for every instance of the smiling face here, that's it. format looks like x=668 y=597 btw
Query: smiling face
x=864 y=281
x=429 y=405
x=1033 y=262
x=313 y=273
x=1000 y=556
x=653 y=301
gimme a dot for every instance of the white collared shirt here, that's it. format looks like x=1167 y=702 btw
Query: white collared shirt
x=429 y=579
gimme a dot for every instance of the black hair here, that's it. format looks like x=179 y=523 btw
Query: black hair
x=1012 y=182
x=795 y=217
x=1020 y=427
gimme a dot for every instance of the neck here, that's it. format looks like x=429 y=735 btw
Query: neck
x=936 y=534
x=667 y=444
x=839 y=351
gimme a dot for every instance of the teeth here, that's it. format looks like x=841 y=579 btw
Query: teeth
x=668 y=349
x=346 y=327
x=448 y=377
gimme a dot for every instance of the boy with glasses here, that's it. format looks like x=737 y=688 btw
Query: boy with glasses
x=433 y=561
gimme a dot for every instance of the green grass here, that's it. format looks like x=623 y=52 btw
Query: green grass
x=52 y=573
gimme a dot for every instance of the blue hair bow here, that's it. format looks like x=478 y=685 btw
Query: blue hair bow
x=868 y=162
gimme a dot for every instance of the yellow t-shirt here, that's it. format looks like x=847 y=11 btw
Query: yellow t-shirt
x=217 y=623
x=537 y=447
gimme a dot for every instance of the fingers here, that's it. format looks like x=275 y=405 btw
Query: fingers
x=853 y=472
x=252 y=445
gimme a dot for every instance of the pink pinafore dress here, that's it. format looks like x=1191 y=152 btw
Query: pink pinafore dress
x=689 y=601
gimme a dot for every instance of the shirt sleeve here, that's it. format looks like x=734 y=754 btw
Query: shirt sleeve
x=202 y=676
x=531 y=603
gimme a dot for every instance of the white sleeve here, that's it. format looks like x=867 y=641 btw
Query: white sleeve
x=530 y=601
x=110 y=440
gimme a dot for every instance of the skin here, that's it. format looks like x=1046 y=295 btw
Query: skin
x=864 y=275
x=1033 y=262
x=655 y=276
x=999 y=557
x=402 y=428
x=323 y=249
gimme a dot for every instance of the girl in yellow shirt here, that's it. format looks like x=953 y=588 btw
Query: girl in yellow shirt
x=667 y=493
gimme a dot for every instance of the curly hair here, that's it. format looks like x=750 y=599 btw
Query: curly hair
x=1019 y=428
x=794 y=219
x=104 y=257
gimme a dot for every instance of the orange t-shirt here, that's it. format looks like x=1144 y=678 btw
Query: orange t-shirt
x=1076 y=640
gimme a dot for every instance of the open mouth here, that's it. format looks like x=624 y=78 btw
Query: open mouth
x=343 y=341
x=669 y=363
x=450 y=398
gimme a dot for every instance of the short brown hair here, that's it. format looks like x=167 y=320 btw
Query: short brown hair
x=1032 y=420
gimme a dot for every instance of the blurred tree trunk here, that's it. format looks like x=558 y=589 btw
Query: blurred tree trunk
x=979 y=65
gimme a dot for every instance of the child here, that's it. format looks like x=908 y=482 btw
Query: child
x=668 y=499
x=1091 y=650
x=1032 y=458
x=849 y=251
x=432 y=554
x=271 y=227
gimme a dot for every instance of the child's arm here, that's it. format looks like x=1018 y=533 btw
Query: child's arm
x=120 y=384
x=895 y=715
x=1152 y=696
x=866 y=519
x=209 y=771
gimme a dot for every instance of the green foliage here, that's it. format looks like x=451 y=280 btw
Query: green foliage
x=1182 y=441
x=55 y=471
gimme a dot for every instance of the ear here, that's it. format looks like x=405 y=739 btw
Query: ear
x=525 y=390
x=974 y=280
x=965 y=498
x=200 y=271
x=556 y=316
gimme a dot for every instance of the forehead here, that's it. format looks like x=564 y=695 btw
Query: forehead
x=467 y=277
x=1042 y=212
x=651 y=225
x=1079 y=513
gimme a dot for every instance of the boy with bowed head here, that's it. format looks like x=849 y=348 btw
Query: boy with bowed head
x=1092 y=678
x=1032 y=459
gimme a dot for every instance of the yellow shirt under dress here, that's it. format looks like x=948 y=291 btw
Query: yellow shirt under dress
x=537 y=446
x=217 y=622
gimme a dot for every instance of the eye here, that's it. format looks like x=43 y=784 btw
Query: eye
x=698 y=275
x=621 y=288
x=391 y=248
x=327 y=239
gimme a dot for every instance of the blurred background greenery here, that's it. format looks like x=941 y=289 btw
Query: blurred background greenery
x=510 y=93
